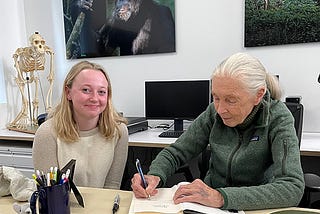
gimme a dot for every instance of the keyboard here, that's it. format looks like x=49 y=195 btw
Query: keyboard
x=171 y=134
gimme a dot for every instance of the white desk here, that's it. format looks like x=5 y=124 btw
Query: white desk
x=6 y=134
x=100 y=201
x=149 y=138
x=96 y=200
x=310 y=142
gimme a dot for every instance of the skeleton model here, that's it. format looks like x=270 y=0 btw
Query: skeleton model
x=27 y=62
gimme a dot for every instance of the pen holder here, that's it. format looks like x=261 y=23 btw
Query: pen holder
x=52 y=199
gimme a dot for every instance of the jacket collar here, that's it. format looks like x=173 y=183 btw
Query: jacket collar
x=263 y=117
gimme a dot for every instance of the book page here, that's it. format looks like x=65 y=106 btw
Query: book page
x=163 y=203
x=160 y=203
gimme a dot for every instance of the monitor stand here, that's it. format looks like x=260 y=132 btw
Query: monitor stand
x=178 y=130
x=178 y=125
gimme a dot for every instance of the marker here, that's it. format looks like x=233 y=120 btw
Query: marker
x=116 y=203
x=68 y=173
x=38 y=173
x=37 y=180
x=40 y=179
x=144 y=182
x=51 y=173
x=62 y=180
x=44 y=179
x=55 y=174
x=48 y=179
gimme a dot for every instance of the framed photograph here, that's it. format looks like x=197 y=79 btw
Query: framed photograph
x=102 y=28
x=279 y=22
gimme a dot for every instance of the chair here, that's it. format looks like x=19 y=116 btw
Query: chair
x=312 y=181
x=296 y=110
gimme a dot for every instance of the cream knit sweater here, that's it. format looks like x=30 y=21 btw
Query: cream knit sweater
x=99 y=162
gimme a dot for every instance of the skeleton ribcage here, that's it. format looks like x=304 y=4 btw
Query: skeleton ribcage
x=28 y=63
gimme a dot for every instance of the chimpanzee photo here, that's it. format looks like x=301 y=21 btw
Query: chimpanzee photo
x=82 y=19
x=138 y=27
x=98 y=28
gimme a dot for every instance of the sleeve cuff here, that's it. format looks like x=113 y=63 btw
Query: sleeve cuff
x=225 y=198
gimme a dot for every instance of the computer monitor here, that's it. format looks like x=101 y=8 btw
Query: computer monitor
x=176 y=100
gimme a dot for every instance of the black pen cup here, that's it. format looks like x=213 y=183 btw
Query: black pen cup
x=52 y=199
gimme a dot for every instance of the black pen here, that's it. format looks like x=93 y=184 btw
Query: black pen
x=116 y=203
x=144 y=182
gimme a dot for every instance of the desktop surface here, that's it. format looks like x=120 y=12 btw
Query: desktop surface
x=101 y=201
x=150 y=138
x=96 y=200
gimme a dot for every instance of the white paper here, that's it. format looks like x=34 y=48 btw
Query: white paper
x=163 y=203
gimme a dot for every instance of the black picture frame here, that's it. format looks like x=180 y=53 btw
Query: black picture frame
x=103 y=28
x=280 y=22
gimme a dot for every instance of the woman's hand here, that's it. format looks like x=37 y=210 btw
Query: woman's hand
x=198 y=192
x=138 y=189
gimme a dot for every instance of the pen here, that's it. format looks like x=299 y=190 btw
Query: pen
x=48 y=179
x=63 y=178
x=55 y=173
x=44 y=179
x=51 y=173
x=144 y=182
x=38 y=180
x=116 y=203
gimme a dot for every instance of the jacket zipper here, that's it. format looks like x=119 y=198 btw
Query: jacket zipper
x=229 y=177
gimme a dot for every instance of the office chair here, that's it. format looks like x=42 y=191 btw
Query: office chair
x=312 y=184
x=296 y=110
x=312 y=181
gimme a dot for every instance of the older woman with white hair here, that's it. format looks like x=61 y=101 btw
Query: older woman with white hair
x=255 y=158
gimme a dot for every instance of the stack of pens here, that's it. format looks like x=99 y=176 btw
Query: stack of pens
x=53 y=177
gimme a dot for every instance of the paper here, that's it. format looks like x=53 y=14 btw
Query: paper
x=163 y=203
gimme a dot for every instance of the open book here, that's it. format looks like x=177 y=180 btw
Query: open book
x=163 y=203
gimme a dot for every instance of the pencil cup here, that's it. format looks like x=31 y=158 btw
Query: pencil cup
x=52 y=200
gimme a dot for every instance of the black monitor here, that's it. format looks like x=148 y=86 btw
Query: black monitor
x=176 y=100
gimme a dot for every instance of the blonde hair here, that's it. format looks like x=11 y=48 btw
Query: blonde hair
x=62 y=114
x=250 y=71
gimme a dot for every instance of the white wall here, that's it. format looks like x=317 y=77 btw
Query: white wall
x=12 y=36
x=206 y=33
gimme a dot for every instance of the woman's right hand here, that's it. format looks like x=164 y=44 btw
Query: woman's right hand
x=138 y=189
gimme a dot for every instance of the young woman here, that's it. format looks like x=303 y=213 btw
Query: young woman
x=86 y=127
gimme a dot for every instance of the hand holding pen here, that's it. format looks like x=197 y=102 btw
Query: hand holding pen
x=140 y=183
x=144 y=182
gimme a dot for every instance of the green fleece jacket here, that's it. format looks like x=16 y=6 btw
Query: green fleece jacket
x=255 y=165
